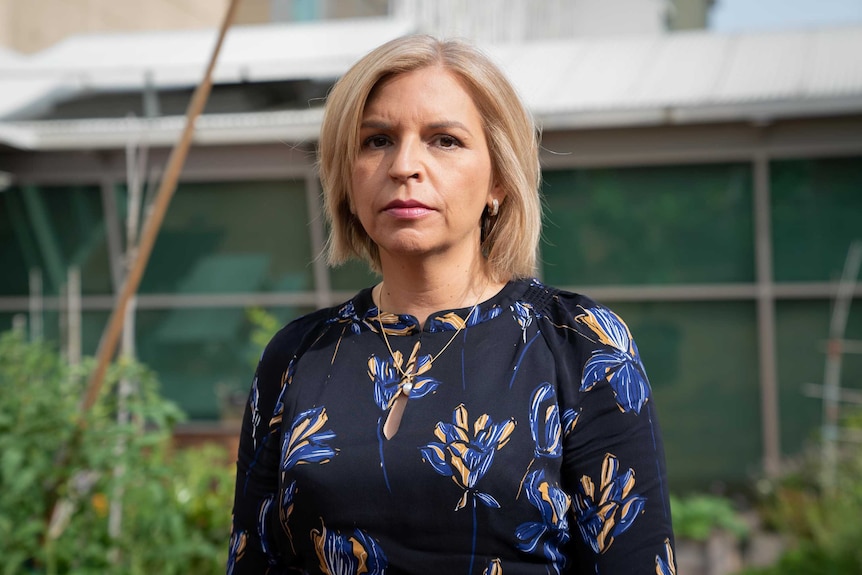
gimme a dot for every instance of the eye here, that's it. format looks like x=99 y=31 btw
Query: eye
x=446 y=141
x=375 y=142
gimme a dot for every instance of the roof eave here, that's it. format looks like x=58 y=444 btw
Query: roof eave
x=303 y=126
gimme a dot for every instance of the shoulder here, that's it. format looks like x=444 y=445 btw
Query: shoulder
x=601 y=346
x=295 y=337
x=572 y=312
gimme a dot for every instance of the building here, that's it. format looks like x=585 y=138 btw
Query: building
x=705 y=186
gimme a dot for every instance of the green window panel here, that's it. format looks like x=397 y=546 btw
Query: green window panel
x=701 y=359
x=202 y=355
x=233 y=237
x=648 y=225
x=7 y=320
x=352 y=276
x=816 y=213
x=53 y=228
x=802 y=328
x=17 y=248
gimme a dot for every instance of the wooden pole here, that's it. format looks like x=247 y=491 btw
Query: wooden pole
x=111 y=336
x=108 y=344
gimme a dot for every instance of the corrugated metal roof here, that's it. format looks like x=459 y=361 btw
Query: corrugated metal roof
x=818 y=69
x=607 y=81
x=179 y=57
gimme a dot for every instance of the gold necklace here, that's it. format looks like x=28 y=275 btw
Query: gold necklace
x=407 y=376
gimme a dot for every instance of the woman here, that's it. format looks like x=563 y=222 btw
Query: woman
x=459 y=416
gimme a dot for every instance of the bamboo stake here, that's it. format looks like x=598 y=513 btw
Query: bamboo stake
x=110 y=338
x=108 y=345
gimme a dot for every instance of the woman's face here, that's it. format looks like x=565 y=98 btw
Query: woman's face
x=423 y=174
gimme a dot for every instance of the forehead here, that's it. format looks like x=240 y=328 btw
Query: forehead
x=433 y=87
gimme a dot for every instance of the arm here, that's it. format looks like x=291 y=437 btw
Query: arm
x=613 y=459
x=255 y=529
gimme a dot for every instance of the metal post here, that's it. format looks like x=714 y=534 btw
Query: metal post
x=36 y=304
x=766 y=318
x=73 y=310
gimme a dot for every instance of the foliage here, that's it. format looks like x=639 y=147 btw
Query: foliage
x=264 y=325
x=695 y=517
x=823 y=524
x=175 y=506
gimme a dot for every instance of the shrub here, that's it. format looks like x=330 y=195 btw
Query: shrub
x=175 y=507
x=823 y=524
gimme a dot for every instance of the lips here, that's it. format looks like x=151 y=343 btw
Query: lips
x=406 y=209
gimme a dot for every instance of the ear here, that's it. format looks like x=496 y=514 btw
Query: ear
x=495 y=193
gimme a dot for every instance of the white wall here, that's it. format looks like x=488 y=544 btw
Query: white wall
x=31 y=25
x=519 y=20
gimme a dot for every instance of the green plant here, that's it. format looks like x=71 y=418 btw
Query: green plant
x=696 y=517
x=823 y=524
x=175 y=507
x=264 y=326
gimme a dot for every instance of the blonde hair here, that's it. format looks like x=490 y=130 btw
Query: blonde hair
x=511 y=244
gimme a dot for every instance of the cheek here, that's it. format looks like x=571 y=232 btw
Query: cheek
x=361 y=180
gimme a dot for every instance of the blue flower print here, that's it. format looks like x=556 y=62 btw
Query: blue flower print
x=570 y=419
x=467 y=459
x=523 y=314
x=346 y=314
x=464 y=458
x=236 y=549
x=452 y=321
x=449 y=322
x=305 y=442
x=263 y=523
x=665 y=566
x=357 y=554
x=621 y=367
x=286 y=508
x=393 y=324
x=495 y=567
x=254 y=407
x=480 y=316
x=552 y=532
x=389 y=382
x=545 y=426
x=608 y=514
x=545 y=422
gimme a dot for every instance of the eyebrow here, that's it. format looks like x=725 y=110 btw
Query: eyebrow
x=443 y=124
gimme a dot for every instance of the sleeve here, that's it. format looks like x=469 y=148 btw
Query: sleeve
x=257 y=540
x=613 y=458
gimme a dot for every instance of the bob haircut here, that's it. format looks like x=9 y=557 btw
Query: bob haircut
x=511 y=243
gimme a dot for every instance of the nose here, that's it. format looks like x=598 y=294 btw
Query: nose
x=406 y=161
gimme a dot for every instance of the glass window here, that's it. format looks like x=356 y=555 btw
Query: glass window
x=352 y=276
x=233 y=237
x=802 y=328
x=648 y=225
x=52 y=228
x=204 y=357
x=817 y=212
x=702 y=364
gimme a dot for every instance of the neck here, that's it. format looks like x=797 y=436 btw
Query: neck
x=420 y=290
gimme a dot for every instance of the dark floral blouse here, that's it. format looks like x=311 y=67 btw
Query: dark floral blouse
x=529 y=445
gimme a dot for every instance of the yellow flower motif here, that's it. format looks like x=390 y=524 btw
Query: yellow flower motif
x=465 y=458
x=495 y=567
x=453 y=319
x=663 y=567
x=602 y=518
x=340 y=554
